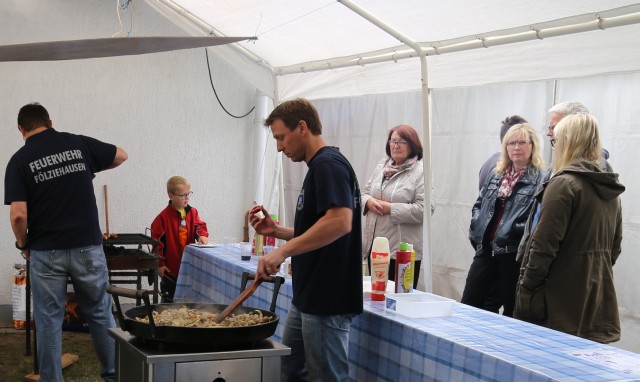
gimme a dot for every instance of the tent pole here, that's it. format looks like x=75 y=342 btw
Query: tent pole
x=425 y=133
x=259 y=145
x=428 y=177
x=380 y=24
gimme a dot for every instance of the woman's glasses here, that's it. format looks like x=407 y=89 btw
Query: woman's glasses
x=398 y=143
x=518 y=143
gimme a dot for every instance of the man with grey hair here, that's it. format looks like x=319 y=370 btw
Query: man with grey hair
x=557 y=112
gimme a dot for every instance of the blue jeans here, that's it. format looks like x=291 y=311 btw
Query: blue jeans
x=87 y=268
x=319 y=347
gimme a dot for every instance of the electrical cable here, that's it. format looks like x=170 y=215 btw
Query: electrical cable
x=216 y=93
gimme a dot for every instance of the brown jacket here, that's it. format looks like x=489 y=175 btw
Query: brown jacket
x=566 y=278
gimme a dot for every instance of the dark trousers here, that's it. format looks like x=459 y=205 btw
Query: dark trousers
x=493 y=302
x=485 y=271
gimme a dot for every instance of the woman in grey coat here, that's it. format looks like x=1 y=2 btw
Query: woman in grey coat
x=566 y=279
x=393 y=198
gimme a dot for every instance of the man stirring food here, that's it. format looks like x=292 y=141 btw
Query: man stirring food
x=325 y=246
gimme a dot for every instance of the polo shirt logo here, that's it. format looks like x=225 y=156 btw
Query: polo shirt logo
x=300 y=203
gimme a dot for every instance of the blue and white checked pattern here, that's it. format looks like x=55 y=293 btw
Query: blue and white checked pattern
x=469 y=345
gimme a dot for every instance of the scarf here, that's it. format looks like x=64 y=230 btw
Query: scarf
x=511 y=177
x=390 y=168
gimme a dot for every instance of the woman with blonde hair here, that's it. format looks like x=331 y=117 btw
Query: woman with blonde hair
x=566 y=279
x=499 y=215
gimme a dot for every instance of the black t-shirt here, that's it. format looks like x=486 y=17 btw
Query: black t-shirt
x=328 y=281
x=53 y=173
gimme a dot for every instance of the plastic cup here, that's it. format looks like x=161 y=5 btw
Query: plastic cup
x=229 y=243
x=245 y=252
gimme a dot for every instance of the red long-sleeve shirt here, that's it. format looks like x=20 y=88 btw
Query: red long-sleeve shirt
x=166 y=229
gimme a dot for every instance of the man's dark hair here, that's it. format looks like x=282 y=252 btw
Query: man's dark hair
x=296 y=110
x=508 y=122
x=32 y=116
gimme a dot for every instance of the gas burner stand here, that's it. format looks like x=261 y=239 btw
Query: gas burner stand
x=140 y=361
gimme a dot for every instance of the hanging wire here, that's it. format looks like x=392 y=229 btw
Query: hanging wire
x=130 y=12
x=126 y=8
x=216 y=93
x=119 y=32
x=258 y=27
x=297 y=18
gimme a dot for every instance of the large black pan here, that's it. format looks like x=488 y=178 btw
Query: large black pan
x=217 y=336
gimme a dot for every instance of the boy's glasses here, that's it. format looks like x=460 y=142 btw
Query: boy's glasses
x=183 y=196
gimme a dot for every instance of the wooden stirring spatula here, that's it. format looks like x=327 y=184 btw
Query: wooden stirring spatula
x=238 y=301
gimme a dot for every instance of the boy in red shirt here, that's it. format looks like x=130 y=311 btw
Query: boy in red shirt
x=175 y=227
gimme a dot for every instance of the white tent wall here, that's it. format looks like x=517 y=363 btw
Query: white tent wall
x=465 y=132
x=160 y=108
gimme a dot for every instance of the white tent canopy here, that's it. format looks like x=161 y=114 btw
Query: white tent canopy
x=299 y=38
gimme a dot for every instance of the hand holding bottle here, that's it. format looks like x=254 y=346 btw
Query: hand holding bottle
x=262 y=222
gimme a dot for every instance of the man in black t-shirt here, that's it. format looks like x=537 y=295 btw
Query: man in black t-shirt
x=54 y=217
x=325 y=246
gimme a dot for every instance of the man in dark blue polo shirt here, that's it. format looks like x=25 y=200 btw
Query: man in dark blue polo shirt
x=48 y=183
x=325 y=246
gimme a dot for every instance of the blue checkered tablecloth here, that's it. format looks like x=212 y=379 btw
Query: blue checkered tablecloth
x=469 y=345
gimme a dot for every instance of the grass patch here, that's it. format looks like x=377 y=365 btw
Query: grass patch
x=15 y=365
